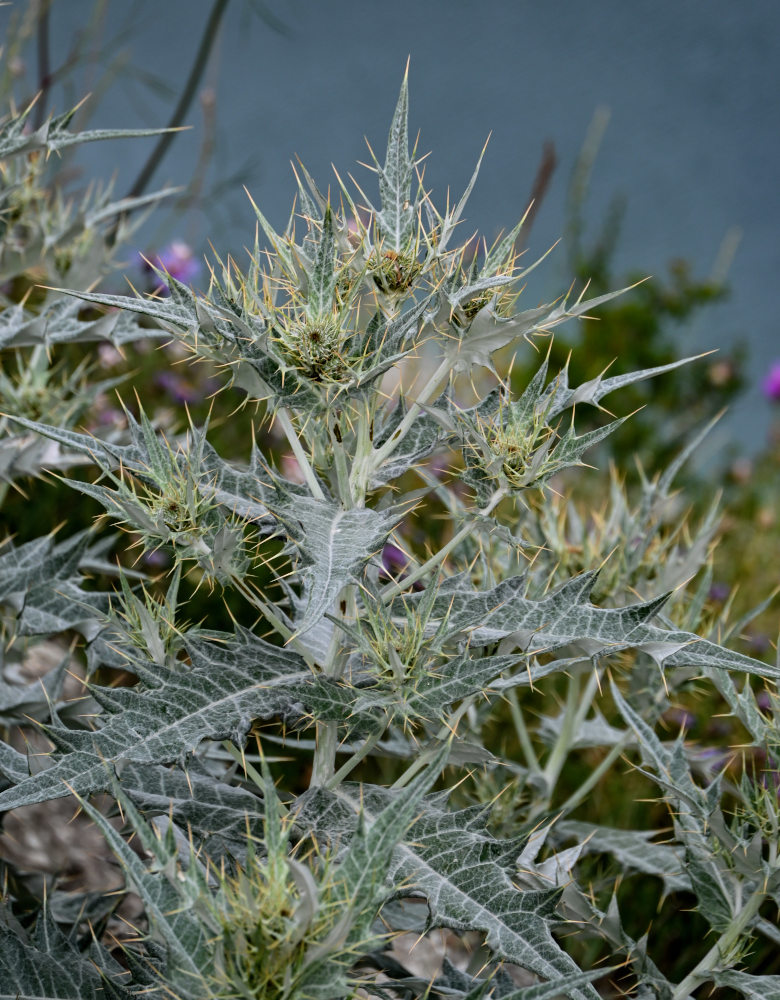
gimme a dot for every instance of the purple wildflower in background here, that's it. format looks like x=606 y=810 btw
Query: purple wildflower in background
x=719 y=592
x=156 y=559
x=178 y=388
x=109 y=356
x=680 y=718
x=758 y=642
x=772 y=383
x=394 y=564
x=394 y=561
x=712 y=760
x=178 y=260
x=766 y=766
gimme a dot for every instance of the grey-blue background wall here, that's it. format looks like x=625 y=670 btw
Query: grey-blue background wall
x=693 y=142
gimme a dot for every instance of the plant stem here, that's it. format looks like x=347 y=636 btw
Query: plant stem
x=283 y=418
x=340 y=462
x=324 y=763
x=593 y=685
x=356 y=758
x=566 y=735
x=273 y=619
x=376 y=458
x=445 y=734
x=417 y=765
x=723 y=946
x=522 y=732
x=394 y=589
x=594 y=777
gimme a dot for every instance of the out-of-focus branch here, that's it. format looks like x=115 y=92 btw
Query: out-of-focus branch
x=185 y=100
x=544 y=172
x=44 y=63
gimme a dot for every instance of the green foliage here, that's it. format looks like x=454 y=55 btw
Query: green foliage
x=463 y=678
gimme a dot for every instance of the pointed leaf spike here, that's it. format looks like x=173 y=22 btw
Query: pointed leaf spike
x=396 y=217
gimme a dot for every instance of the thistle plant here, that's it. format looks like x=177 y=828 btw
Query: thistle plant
x=365 y=753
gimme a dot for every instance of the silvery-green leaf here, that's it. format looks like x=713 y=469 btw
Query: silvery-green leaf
x=696 y=822
x=751 y=987
x=39 y=583
x=231 y=683
x=593 y=732
x=489 y=332
x=21 y=702
x=175 y=316
x=52 y=969
x=322 y=282
x=364 y=882
x=53 y=135
x=239 y=491
x=451 y=219
x=39 y=561
x=465 y=875
x=169 y=896
x=441 y=686
x=555 y=871
x=561 y=397
x=219 y=814
x=669 y=763
x=396 y=215
x=13 y=765
x=566 y=617
x=420 y=441
x=333 y=545
x=60 y=605
x=565 y=986
x=59 y=323
x=744 y=706
x=24 y=455
x=632 y=849
x=471 y=289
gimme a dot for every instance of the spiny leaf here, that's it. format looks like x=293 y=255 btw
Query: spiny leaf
x=751 y=987
x=39 y=582
x=561 y=397
x=396 y=216
x=58 y=323
x=488 y=332
x=695 y=819
x=333 y=544
x=54 y=136
x=566 y=617
x=52 y=967
x=322 y=285
x=632 y=849
x=185 y=937
x=218 y=814
x=231 y=682
x=465 y=875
